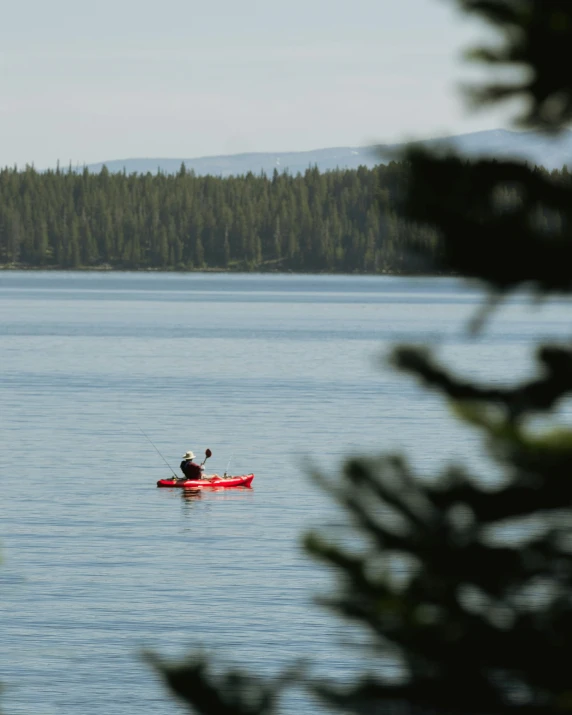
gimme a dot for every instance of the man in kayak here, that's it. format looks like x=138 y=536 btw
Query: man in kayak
x=191 y=469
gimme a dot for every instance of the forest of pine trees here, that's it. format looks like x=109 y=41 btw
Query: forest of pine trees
x=338 y=221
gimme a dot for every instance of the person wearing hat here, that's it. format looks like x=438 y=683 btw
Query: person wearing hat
x=191 y=469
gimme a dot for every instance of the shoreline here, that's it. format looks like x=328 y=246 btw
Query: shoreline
x=258 y=271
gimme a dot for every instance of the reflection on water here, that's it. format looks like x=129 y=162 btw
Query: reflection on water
x=223 y=493
x=191 y=495
x=207 y=498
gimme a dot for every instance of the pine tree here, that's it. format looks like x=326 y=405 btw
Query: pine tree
x=226 y=248
x=41 y=243
x=199 y=257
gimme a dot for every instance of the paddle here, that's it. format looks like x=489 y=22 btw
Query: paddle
x=208 y=454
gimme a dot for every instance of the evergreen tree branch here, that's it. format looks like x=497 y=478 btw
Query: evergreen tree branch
x=537 y=396
x=536 y=35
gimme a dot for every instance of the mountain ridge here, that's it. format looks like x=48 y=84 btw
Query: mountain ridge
x=550 y=152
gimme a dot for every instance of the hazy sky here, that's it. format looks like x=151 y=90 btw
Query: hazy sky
x=116 y=79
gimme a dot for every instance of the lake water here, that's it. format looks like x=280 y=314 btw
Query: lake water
x=276 y=374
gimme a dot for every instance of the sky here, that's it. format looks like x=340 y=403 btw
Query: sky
x=115 y=79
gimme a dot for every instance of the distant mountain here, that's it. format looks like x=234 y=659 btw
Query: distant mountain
x=552 y=153
x=236 y=164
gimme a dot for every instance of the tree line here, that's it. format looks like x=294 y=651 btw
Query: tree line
x=337 y=221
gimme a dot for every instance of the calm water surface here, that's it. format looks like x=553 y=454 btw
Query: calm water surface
x=276 y=374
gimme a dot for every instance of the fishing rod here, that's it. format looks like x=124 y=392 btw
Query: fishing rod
x=228 y=465
x=159 y=453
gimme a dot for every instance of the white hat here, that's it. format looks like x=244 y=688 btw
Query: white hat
x=189 y=455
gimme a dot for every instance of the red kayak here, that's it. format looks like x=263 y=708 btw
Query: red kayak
x=243 y=481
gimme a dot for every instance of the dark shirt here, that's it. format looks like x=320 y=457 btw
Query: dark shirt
x=191 y=470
